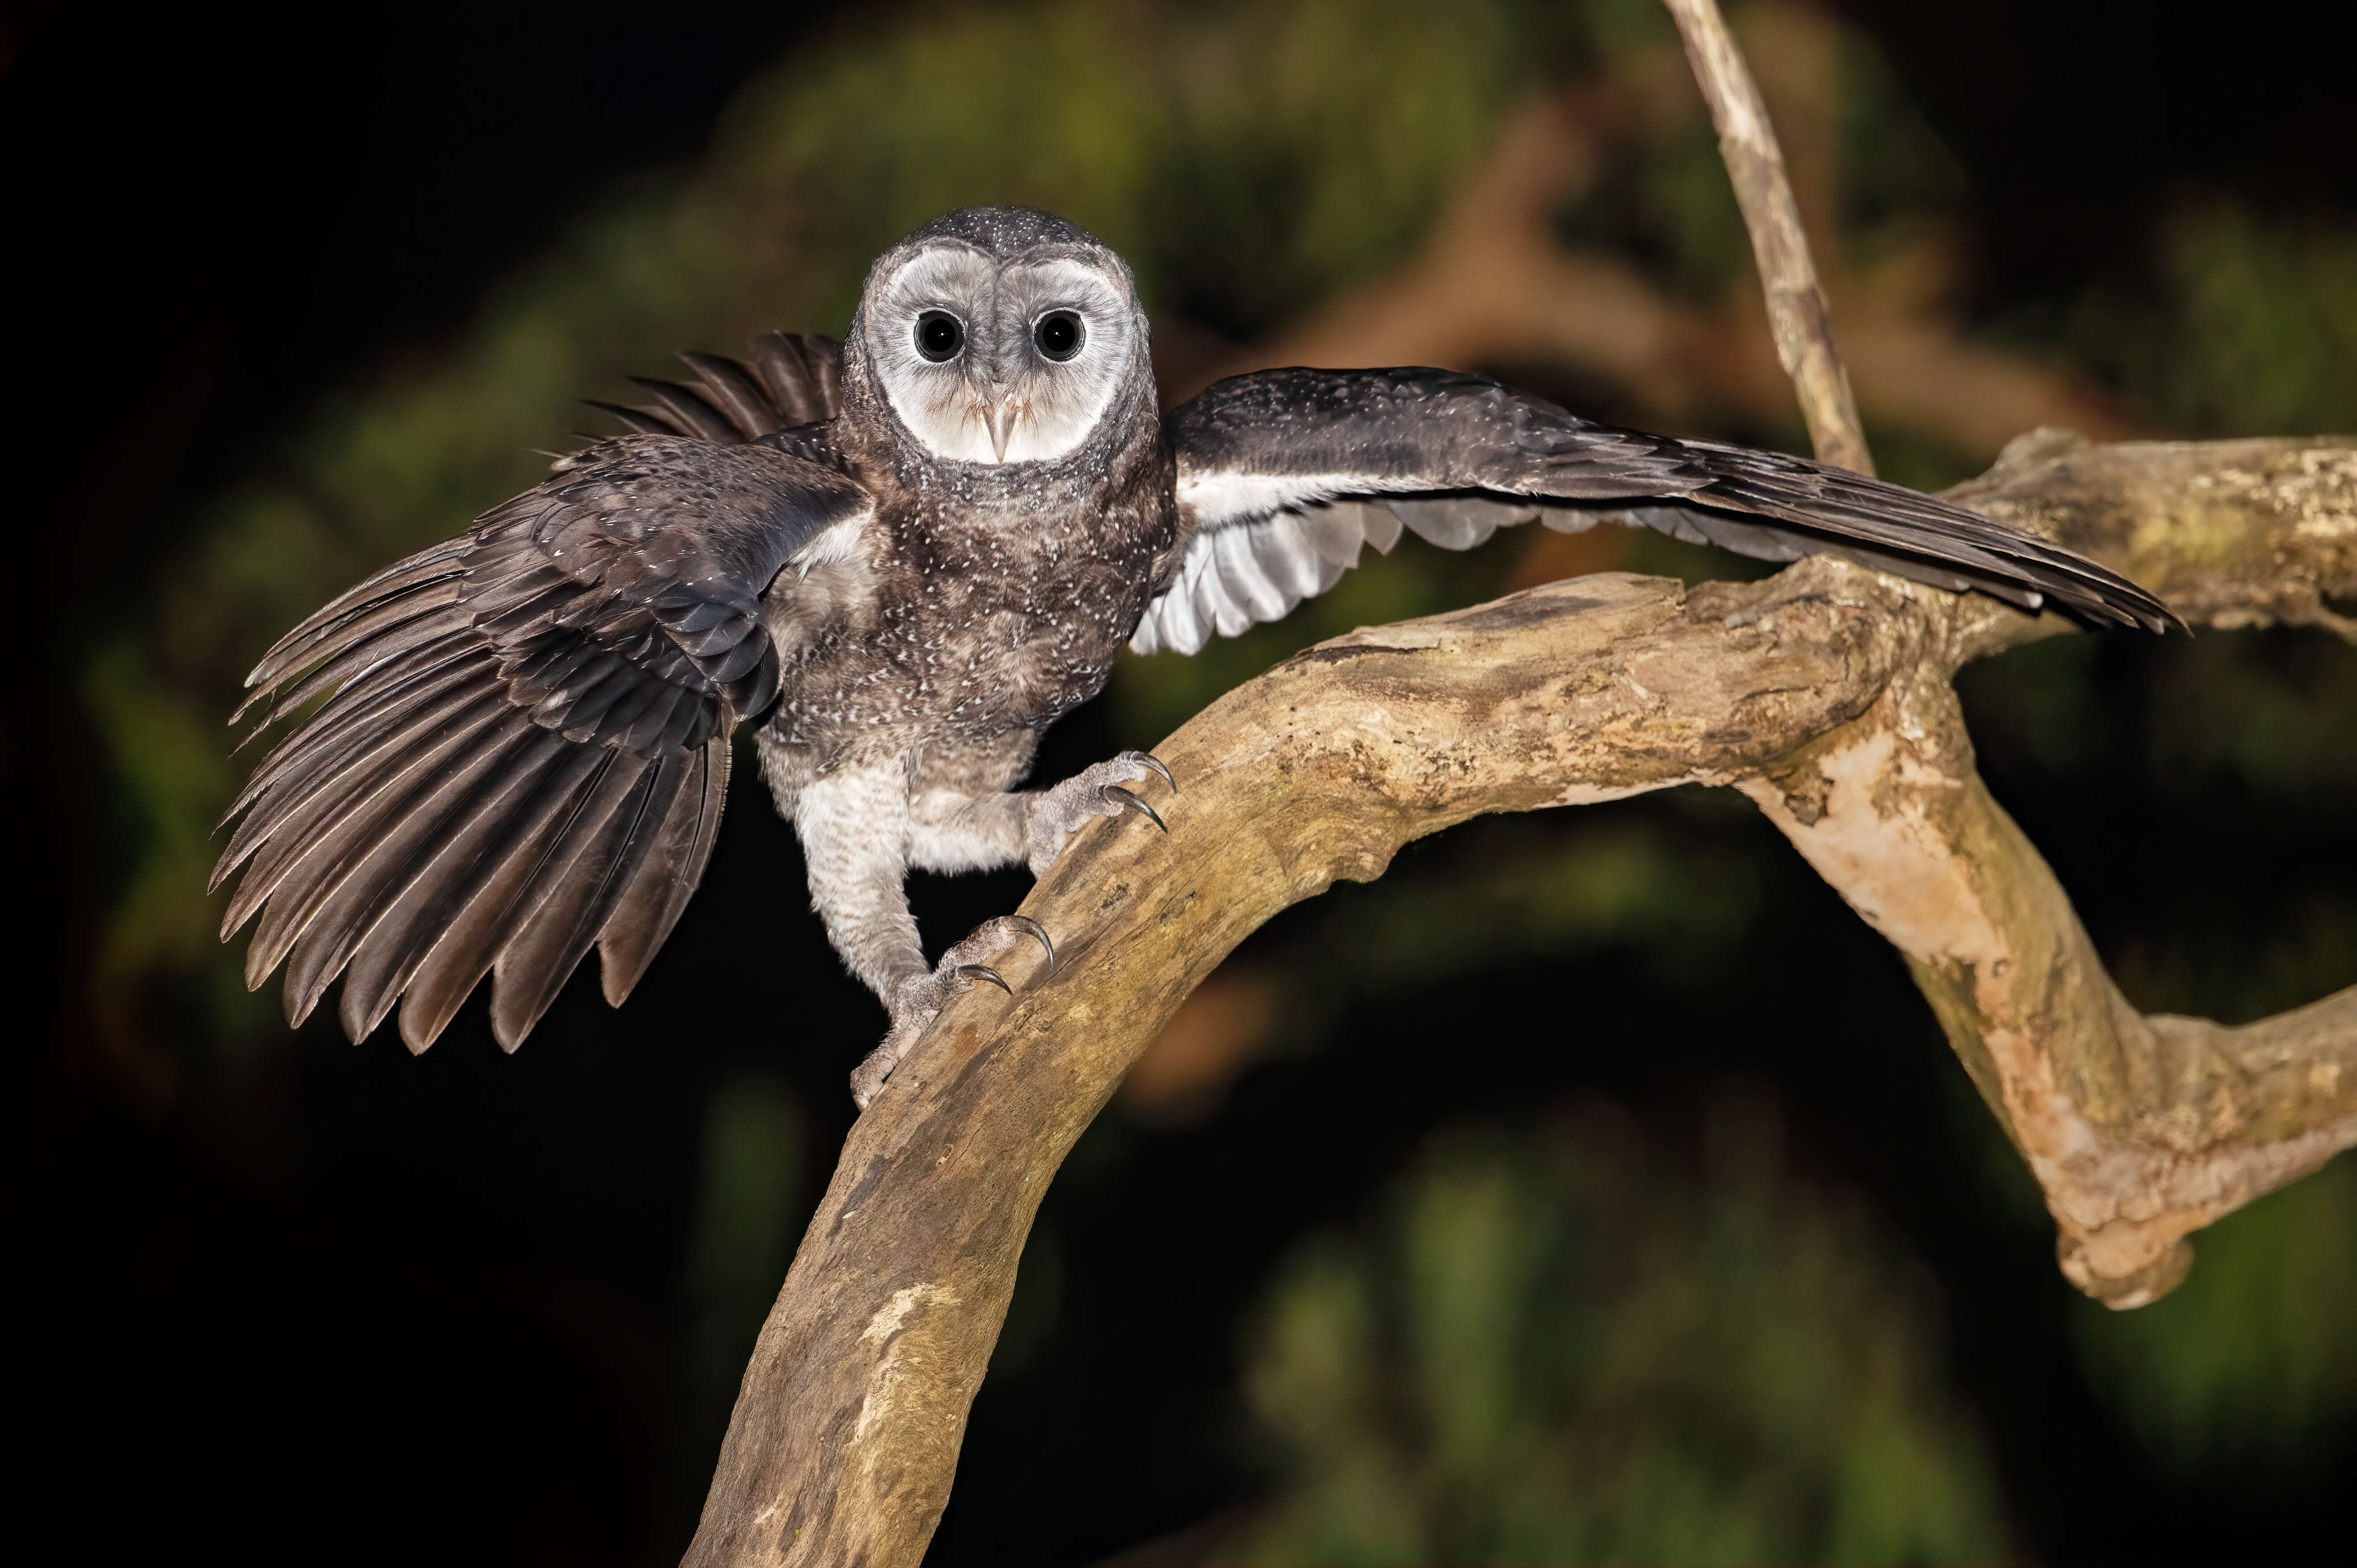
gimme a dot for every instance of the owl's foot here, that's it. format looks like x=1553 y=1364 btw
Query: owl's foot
x=920 y=999
x=1091 y=792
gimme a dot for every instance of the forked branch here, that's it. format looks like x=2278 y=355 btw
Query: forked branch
x=1822 y=692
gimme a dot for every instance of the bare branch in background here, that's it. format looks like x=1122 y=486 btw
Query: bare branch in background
x=1822 y=692
x=1495 y=286
x=1796 y=305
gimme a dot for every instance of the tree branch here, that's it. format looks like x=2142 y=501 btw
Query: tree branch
x=1822 y=692
x=1803 y=328
x=2138 y=1128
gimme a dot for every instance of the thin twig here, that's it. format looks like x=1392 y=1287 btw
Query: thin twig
x=1796 y=305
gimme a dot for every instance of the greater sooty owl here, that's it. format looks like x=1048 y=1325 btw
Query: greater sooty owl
x=901 y=558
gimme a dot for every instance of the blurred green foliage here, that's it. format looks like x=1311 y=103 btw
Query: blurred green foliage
x=1568 y=1344
x=2252 y=1361
x=1673 y=894
x=2245 y=326
x=749 y=1210
x=1564 y=1344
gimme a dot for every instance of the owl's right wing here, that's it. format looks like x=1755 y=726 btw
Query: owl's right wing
x=524 y=745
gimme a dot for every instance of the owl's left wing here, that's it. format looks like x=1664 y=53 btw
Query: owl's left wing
x=1285 y=475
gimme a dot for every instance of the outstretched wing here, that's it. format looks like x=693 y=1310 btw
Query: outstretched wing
x=794 y=378
x=524 y=745
x=1285 y=475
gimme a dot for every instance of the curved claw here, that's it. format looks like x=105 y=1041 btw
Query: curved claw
x=1037 y=931
x=984 y=971
x=1148 y=759
x=1116 y=795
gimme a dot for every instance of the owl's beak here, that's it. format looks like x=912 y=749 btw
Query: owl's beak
x=995 y=405
x=998 y=417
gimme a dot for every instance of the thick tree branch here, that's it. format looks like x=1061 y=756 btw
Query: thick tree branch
x=2232 y=533
x=2138 y=1128
x=1822 y=692
x=1803 y=328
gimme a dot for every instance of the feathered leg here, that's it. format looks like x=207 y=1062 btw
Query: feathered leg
x=862 y=832
x=951 y=830
x=854 y=827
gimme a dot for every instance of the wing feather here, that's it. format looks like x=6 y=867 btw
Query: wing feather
x=416 y=839
x=472 y=941
x=1290 y=560
x=673 y=865
x=802 y=373
x=615 y=830
x=1336 y=532
x=443 y=560
x=794 y=379
x=1214 y=604
x=300 y=877
x=690 y=414
x=1240 y=573
x=388 y=940
x=333 y=800
x=429 y=675
x=732 y=389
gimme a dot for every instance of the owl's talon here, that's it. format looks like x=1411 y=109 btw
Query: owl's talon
x=918 y=999
x=1126 y=800
x=1036 y=932
x=1095 y=791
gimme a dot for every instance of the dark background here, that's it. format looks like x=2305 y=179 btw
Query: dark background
x=425 y=1311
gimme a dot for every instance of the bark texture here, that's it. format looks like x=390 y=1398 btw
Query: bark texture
x=1823 y=692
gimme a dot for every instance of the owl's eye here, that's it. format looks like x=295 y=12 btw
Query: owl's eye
x=940 y=336
x=1058 y=334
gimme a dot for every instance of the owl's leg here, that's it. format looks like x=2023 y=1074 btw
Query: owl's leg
x=861 y=835
x=951 y=830
x=854 y=824
x=854 y=827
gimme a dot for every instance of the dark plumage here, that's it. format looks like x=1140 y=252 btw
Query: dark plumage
x=903 y=556
x=528 y=738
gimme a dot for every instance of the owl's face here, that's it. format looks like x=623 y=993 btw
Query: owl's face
x=1002 y=359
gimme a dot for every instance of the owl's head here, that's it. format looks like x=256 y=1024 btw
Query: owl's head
x=1003 y=335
